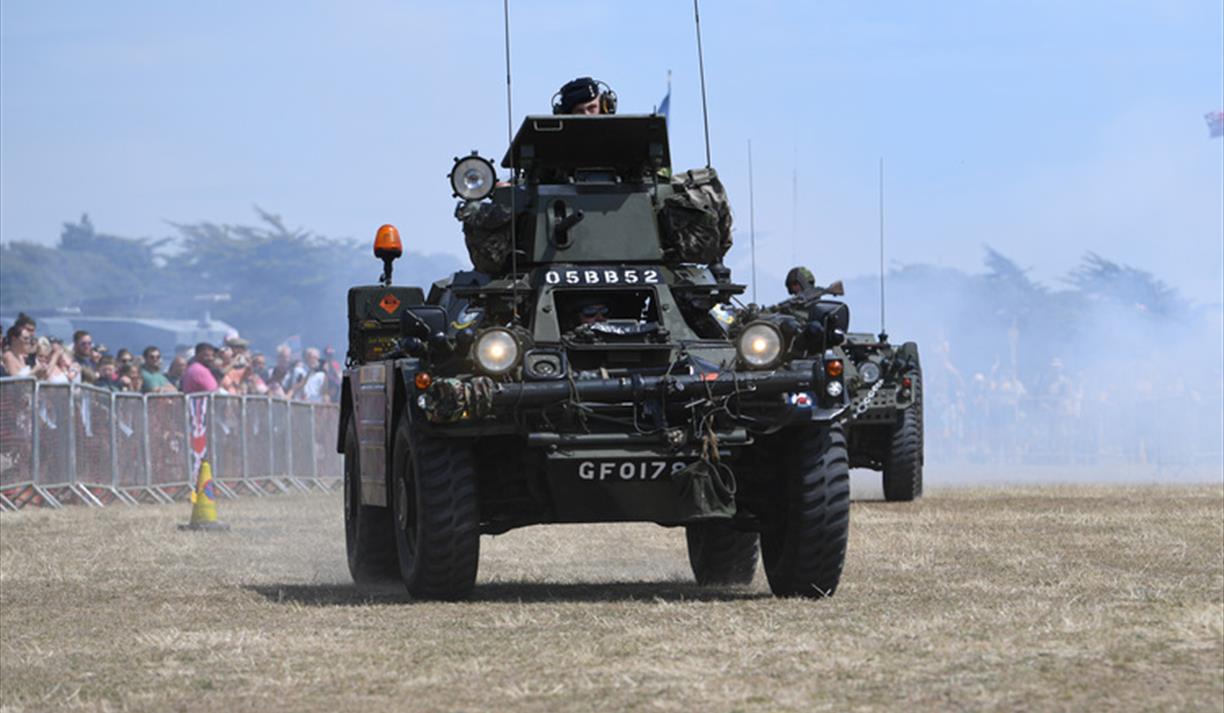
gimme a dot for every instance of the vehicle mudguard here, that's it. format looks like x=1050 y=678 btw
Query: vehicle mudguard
x=346 y=411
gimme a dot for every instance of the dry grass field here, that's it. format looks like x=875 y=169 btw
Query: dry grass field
x=1040 y=597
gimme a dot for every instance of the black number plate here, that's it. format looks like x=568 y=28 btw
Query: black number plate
x=625 y=470
x=603 y=276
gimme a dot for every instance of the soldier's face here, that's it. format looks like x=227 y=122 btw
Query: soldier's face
x=590 y=108
x=593 y=313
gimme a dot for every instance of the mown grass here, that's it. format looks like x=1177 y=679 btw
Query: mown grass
x=1043 y=597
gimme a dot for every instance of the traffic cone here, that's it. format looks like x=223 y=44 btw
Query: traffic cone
x=204 y=504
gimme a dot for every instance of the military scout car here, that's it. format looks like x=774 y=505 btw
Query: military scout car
x=883 y=426
x=591 y=369
x=884 y=431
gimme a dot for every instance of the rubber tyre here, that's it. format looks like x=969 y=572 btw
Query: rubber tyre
x=369 y=533
x=804 y=541
x=903 y=469
x=437 y=515
x=720 y=554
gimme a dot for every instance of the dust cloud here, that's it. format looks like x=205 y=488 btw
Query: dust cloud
x=1109 y=375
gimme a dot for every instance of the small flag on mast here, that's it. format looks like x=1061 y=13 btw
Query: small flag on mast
x=665 y=105
x=1215 y=124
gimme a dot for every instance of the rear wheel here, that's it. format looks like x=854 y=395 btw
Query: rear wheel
x=720 y=554
x=804 y=541
x=437 y=517
x=369 y=535
x=903 y=469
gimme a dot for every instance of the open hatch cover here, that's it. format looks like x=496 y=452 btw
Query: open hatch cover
x=550 y=146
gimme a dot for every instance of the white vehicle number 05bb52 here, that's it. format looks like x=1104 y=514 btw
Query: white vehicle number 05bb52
x=628 y=470
x=602 y=276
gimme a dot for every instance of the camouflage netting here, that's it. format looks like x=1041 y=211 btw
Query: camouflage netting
x=486 y=232
x=696 y=219
x=451 y=400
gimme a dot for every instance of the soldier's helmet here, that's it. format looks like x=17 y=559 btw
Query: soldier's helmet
x=799 y=279
x=581 y=91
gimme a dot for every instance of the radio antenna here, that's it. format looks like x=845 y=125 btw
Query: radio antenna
x=795 y=209
x=752 y=222
x=883 y=334
x=752 y=215
x=705 y=115
x=513 y=167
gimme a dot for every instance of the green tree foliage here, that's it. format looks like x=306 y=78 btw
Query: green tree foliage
x=272 y=282
x=267 y=280
x=1100 y=279
x=1001 y=321
x=86 y=268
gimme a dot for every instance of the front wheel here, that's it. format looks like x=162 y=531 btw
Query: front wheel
x=437 y=516
x=804 y=539
x=720 y=554
x=369 y=536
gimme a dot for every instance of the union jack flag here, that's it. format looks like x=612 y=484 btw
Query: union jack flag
x=1215 y=124
x=198 y=408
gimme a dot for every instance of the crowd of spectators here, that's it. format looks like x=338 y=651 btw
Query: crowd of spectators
x=227 y=368
x=1115 y=411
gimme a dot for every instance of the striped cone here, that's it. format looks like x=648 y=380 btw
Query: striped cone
x=204 y=504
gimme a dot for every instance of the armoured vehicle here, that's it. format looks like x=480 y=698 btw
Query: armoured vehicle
x=884 y=430
x=884 y=423
x=591 y=369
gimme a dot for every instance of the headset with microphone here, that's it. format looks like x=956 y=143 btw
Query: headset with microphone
x=581 y=91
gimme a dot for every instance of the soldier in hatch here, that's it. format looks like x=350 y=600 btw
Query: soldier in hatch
x=590 y=311
x=584 y=95
x=799 y=280
x=803 y=290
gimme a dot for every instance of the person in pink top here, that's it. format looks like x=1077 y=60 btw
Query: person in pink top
x=199 y=377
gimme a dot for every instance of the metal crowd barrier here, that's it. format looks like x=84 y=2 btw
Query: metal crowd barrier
x=62 y=443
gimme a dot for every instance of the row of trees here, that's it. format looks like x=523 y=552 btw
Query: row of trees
x=266 y=279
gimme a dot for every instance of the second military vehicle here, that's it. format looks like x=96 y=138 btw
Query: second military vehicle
x=591 y=369
x=884 y=423
x=884 y=430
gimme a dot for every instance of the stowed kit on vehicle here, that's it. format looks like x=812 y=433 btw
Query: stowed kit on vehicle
x=598 y=374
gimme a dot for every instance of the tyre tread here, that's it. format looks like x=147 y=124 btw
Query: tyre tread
x=721 y=555
x=805 y=552
x=369 y=530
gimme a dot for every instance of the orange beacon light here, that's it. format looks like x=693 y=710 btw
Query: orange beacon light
x=387 y=247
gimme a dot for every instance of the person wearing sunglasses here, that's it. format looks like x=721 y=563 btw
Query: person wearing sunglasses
x=592 y=312
x=16 y=356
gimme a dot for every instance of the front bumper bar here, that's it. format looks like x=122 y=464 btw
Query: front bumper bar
x=479 y=398
x=640 y=388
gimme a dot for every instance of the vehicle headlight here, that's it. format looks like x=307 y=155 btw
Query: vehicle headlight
x=869 y=372
x=496 y=351
x=473 y=177
x=760 y=345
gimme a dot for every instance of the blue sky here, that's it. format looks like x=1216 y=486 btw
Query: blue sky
x=1045 y=129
